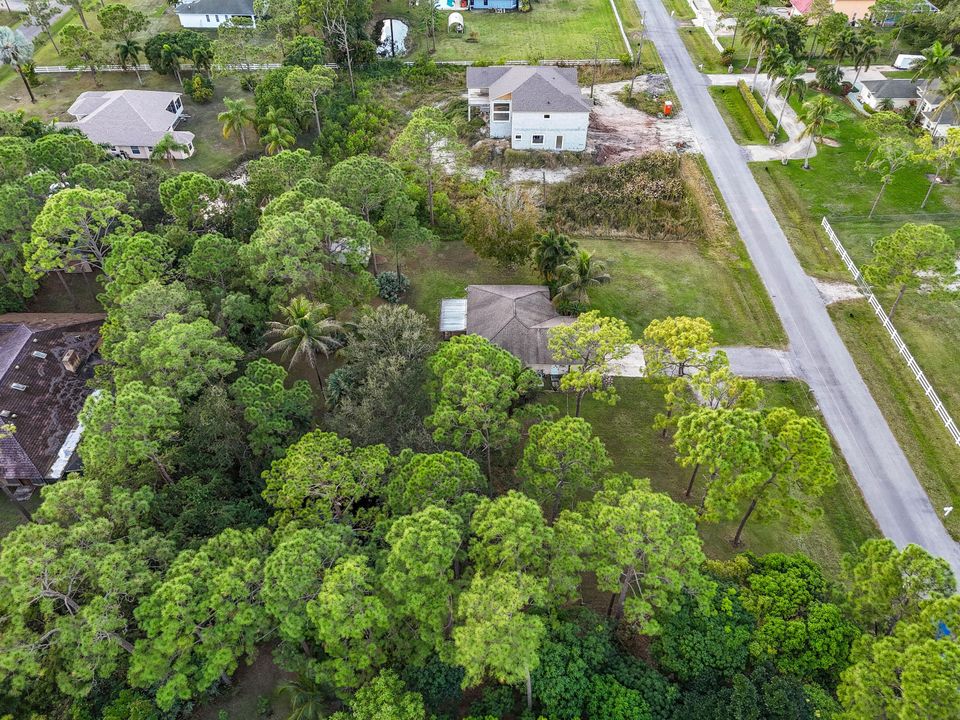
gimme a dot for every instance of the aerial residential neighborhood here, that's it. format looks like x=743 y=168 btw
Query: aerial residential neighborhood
x=479 y=359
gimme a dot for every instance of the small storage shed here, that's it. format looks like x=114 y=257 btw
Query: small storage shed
x=455 y=22
x=453 y=317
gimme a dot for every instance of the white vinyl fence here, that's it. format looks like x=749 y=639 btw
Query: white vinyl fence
x=894 y=335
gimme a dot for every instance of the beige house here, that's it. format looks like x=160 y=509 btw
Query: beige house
x=130 y=122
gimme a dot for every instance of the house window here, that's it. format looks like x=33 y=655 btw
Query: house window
x=501 y=112
x=538 y=139
x=217 y=17
x=150 y=149
x=559 y=145
x=546 y=117
x=208 y=18
x=518 y=136
x=135 y=150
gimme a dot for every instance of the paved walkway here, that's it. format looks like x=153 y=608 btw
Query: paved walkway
x=888 y=483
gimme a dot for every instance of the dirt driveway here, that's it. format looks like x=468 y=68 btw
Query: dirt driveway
x=618 y=132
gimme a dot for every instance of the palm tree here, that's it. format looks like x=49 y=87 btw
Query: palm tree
x=235 y=119
x=128 y=52
x=815 y=114
x=949 y=92
x=868 y=50
x=276 y=132
x=578 y=274
x=307 y=699
x=304 y=332
x=170 y=60
x=166 y=147
x=202 y=58
x=791 y=84
x=776 y=59
x=16 y=51
x=767 y=32
x=844 y=43
x=551 y=250
x=938 y=61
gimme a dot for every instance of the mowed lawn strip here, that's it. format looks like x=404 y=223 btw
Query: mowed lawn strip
x=736 y=114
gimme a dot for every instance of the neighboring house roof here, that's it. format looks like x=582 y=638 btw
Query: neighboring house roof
x=45 y=412
x=894 y=89
x=126 y=117
x=215 y=7
x=802 y=6
x=515 y=317
x=531 y=89
x=930 y=93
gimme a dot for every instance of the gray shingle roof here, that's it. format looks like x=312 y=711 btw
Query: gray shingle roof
x=215 y=7
x=893 y=88
x=932 y=95
x=125 y=117
x=515 y=317
x=532 y=89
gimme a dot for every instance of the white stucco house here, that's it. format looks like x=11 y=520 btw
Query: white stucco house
x=537 y=108
x=936 y=121
x=213 y=13
x=899 y=91
x=130 y=122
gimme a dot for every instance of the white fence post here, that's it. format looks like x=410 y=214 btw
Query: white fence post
x=901 y=346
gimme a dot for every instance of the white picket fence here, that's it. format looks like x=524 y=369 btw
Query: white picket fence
x=254 y=67
x=894 y=335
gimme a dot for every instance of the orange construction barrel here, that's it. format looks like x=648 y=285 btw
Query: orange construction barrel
x=668 y=107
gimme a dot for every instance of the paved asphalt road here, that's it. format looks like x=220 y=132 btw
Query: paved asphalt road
x=888 y=483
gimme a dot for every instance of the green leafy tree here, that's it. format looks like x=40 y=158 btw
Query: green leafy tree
x=276 y=414
x=350 y=622
x=497 y=637
x=676 y=345
x=561 y=461
x=134 y=260
x=418 y=146
x=816 y=114
x=235 y=119
x=421 y=480
x=128 y=53
x=276 y=130
x=938 y=62
x=794 y=463
x=588 y=346
x=67 y=583
x=17 y=52
x=308 y=86
x=384 y=698
x=79 y=47
x=121 y=22
x=502 y=221
x=42 y=14
x=322 y=477
x=181 y=355
x=716 y=440
x=942 y=154
x=272 y=175
x=305 y=51
x=893 y=154
x=644 y=549
x=912 y=674
x=419 y=577
x=75 y=226
x=188 y=197
x=60 y=153
x=791 y=84
x=866 y=52
x=911 y=257
x=203 y=617
x=476 y=385
x=888 y=584
x=129 y=428
x=167 y=148
x=214 y=262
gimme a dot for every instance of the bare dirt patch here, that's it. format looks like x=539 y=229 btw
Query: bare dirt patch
x=619 y=133
x=833 y=292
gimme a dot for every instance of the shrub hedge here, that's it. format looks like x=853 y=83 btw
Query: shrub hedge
x=755 y=109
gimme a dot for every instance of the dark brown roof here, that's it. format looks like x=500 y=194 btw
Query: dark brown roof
x=515 y=317
x=46 y=411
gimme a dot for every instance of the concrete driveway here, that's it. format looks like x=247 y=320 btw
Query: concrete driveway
x=889 y=485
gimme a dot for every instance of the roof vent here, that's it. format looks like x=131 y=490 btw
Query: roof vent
x=72 y=360
x=34 y=340
x=18 y=386
x=5 y=413
x=38 y=354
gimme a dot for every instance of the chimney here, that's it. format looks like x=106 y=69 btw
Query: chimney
x=72 y=360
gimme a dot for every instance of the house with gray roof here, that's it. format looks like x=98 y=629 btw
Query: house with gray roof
x=130 y=122
x=518 y=318
x=901 y=92
x=935 y=115
x=536 y=107
x=213 y=13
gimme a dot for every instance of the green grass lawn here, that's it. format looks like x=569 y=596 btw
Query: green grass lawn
x=703 y=51
x=737 y=115
x=557 y=29
x=635 y=447
x=214 y=154
x=680 y=8
x=931 y=329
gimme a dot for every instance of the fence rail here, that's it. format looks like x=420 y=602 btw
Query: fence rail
x=894 y=335
x=254 y=67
